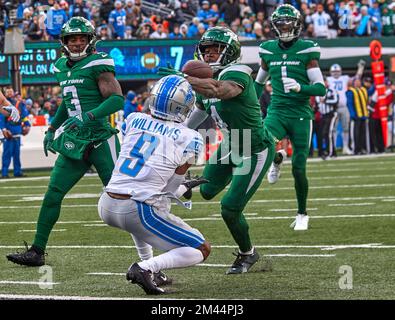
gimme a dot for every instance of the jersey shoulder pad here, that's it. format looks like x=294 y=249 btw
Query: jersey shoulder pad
x=310 y=48
x=60 y=64
x=240 y=69
x=97 y=60
x=267 y=48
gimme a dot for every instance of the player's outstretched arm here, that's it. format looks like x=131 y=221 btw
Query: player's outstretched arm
x=211 y=88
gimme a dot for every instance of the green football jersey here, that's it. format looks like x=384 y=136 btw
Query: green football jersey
x=238 y=113
x=291 y=63
x=79 y=84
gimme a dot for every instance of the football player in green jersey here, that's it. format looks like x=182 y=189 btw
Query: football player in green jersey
x=90 y=94
x=292 y=65
x=247 y=149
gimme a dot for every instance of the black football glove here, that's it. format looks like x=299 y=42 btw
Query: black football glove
x=192 y=183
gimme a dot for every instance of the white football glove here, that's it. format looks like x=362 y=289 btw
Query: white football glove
x=14 y=113
x=290 y=84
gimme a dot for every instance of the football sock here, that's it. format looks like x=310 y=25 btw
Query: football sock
x=175 y=258
x=144 y=250
x=301 y=187
x=278 y=158
x=49 y=214
x=238 y=227
x=246 y=253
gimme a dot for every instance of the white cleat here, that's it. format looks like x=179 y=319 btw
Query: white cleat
x=301 y=222
x=274 y=172
x=347 y=151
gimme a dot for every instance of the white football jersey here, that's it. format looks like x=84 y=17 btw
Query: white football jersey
x=341 y=86
x=151 y=150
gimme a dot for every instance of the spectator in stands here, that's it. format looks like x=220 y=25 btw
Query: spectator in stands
x=79 y=9
x=193 y=28
x=131 y=104
x=321 y=21
x=230 y=10
x=12 y=132
x=206 y=15
x=104 y=33
x=247 y=33
x=29 y=105
x=375 y=13
x=34 y=32
x=331 y=11
x=176 y=34
x=130 y=10
x=144 y=31
x=367 y=24
x=267 y=32
x=117 y=21
x=105 y=9
x=176 y=15
x=184 y=30
x=159 y=33
x=187 y=9
x=387 y=21
x=56 y=17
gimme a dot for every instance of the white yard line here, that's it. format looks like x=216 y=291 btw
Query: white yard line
x=322 y=247
x=54 y=297
x=351 y=204
x=29 y=282
x=34 y=230
x=218 y=218
x=291 y=210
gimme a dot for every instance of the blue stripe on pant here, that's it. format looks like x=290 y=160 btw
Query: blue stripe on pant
x=165 y=230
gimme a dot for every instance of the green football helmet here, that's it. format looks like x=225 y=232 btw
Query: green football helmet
x=77 y=26
x=286 y=23
x=228 y=44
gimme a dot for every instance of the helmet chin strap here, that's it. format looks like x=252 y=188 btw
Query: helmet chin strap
x=287 y=44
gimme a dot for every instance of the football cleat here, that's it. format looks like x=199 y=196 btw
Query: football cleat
x=347 y=151
x=274 y=171
x=161 y=279
x=31 y=257
x=301 y=222
x=243 y=262
x=144 y=279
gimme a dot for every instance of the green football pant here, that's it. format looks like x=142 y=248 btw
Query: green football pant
x=65 y=174
x=245 y=178
x=299 y=132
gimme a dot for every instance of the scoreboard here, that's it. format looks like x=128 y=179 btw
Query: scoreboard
x=134 y=60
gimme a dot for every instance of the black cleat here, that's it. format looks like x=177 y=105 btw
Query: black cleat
x=191 y=183
x=161 y=279
x=243 y=262
x=32 y=257
x=144 y=279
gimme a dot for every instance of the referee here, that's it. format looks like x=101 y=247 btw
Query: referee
x=327 y=106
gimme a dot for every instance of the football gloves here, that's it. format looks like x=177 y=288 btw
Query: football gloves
x=191 y=183
x=14 y=113
x=75 y=122
x=48 y=139
x=290 y=84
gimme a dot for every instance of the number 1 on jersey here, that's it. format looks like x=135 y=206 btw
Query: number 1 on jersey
x=284 y=75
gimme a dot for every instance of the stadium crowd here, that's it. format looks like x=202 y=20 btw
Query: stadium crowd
x=178 y=19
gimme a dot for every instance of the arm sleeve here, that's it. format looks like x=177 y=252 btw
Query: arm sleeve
x=196 y=118
x=109 y=106
x=317 y=88
x=60 y=116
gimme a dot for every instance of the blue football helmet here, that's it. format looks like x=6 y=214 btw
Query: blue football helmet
x=172 y=98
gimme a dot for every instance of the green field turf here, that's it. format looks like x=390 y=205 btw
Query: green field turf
x=352 y=227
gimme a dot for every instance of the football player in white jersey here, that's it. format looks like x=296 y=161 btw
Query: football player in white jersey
x=339 y=82
x=156 y=152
